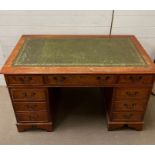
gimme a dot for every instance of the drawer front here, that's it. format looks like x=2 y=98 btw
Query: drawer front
x=133 y=105
x=24 y=79
x=81 y=79
x=32 y=117
x=128 y=93
x=28 y=94
x=127 y=116
x=136 y=79
x=30 y=106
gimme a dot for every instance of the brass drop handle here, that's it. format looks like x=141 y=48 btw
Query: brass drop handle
x=63 y=78
x=131 y=94
x=33 y=94
x=131 y=106
x=136 y=78
x=33 y=117
x=105 y=78
x=126 y=105
x=31 y=107
x=25 y=79
x=59 y=79
x=25 y=94
x=98 y=78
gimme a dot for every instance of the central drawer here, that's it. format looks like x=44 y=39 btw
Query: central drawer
x=62 y=80
x=28 y=94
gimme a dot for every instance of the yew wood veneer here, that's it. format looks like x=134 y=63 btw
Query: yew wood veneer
x=117 y=64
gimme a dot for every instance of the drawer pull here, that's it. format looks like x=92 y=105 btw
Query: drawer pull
x=26 y=95
x=131 y=94
x=59 y=79
x=127 y=116
x=135 y=79
x=23 y=80
x=33 y=117
x=31 y=107
x=98 y=78
x=131 y=106
x=103 y=78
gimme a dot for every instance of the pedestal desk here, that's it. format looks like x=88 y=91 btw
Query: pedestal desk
x=117 y=64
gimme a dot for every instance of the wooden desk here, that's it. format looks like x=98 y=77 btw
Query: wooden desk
x=119 y=64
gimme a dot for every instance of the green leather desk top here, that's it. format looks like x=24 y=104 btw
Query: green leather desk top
x=79 y=52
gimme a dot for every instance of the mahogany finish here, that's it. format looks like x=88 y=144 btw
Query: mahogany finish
x=87 y=80
x=28 y=94
x=135 y=79
x=24 y=80
x=129 y=105
x=127 y=116
x=130 y=93
x=126 y=89
x=29 y=106
x=40 y=116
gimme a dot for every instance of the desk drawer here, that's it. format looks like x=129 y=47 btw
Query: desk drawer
x=30 y=106
x=80 y=79
x=32 y=117
x=28 y=94
x=128 y=93
x=127 y=116
x=136 y=79
x=133 y=105
x=24 y=79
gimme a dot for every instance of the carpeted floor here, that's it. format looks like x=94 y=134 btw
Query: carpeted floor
x=80 y=120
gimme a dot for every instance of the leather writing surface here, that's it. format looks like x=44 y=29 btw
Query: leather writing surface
x=79 y=52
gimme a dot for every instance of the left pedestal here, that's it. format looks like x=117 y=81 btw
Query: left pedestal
x=30 y=102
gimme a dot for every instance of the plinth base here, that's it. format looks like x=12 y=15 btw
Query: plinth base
x=26 y=126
